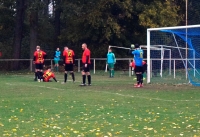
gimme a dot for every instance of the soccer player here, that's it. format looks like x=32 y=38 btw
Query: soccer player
x=57 y=58
x=38 y=60
x=68 y=62
x=48 y=74
x=86 y=65
x=111 y=62
x=138 y=58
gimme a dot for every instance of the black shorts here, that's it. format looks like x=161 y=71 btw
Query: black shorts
x=69 y=67
x=138 y=69
x=39 y=66
x=86 y=69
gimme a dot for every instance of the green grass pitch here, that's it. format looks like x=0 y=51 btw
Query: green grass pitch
x=110 y=107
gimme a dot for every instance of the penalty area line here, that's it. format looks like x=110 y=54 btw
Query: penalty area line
x=158 y=99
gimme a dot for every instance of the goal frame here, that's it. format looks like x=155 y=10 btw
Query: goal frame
x=149 y=42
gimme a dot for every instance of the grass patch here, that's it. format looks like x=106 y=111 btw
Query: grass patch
x=110 y=107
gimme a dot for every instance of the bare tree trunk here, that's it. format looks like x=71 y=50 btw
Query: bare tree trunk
x=58 y=11
x=20 y=5
x=33 y=31
x=46 y=8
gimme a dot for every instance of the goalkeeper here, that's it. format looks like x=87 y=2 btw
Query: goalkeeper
x=111 y=62
x=138 y=59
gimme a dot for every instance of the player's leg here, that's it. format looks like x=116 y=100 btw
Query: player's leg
x=56 y=65
x=141 y=75
x=35 y=79
x=37 y=71
x=83 y=72
x=72 y=72
x=138 y=73
x=65 y=74
x=65 y=77
x=88 y=75
x=112 y=69
x=41 y=72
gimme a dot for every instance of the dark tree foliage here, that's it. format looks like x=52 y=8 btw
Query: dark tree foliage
x=99 y=23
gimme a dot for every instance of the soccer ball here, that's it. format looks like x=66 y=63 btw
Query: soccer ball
x=132 y=46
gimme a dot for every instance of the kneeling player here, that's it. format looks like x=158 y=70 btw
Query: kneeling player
x=48 y=74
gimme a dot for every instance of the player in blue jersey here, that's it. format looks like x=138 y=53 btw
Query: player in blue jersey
x=57 y=58
x=111 y=62
x=138 y=58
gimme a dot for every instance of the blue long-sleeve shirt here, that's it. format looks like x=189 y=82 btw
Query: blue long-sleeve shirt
x=138 y=57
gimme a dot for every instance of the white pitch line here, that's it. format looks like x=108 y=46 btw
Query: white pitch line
x=150 y=98
x=49 y=87
x=121 y=95
x=37 y=86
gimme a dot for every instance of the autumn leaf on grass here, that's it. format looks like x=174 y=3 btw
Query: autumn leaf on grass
x=1 y=125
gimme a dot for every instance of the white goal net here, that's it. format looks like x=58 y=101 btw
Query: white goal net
x=175 y=52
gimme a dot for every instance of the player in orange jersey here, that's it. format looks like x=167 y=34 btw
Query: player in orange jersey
x=48 y=74
x=68 y=62
x=86 y=65
x=38 y=60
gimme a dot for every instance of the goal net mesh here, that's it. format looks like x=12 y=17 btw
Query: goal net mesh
x=178 y=55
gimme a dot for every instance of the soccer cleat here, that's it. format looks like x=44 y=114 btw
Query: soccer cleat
x=63 y=82
x=41 y=80
x=82 y=84
x=38 y=80
x=89 y=84
x=137 y=86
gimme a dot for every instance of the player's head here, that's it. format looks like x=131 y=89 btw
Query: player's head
x=84 y=46
x=58 y=49
x=49 y=68
x=38 y=48
x=137 y=46
x=66 y=48
x=109 y=50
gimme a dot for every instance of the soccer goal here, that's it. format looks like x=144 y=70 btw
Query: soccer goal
x=179 y=50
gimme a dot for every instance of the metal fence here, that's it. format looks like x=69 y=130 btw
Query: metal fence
x=96 y=64
x=158 y=67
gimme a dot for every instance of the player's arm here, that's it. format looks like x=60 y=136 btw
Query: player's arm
x=87 y=59
x=74 y=59
x=107 y=58
x=114 y=58
x=45 y=55
x=130 y=51
x=55 y=55
x=64 y=59
x=34 y=58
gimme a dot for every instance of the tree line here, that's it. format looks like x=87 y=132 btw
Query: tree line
x=99 y=23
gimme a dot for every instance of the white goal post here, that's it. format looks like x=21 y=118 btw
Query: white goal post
x=185 y=60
